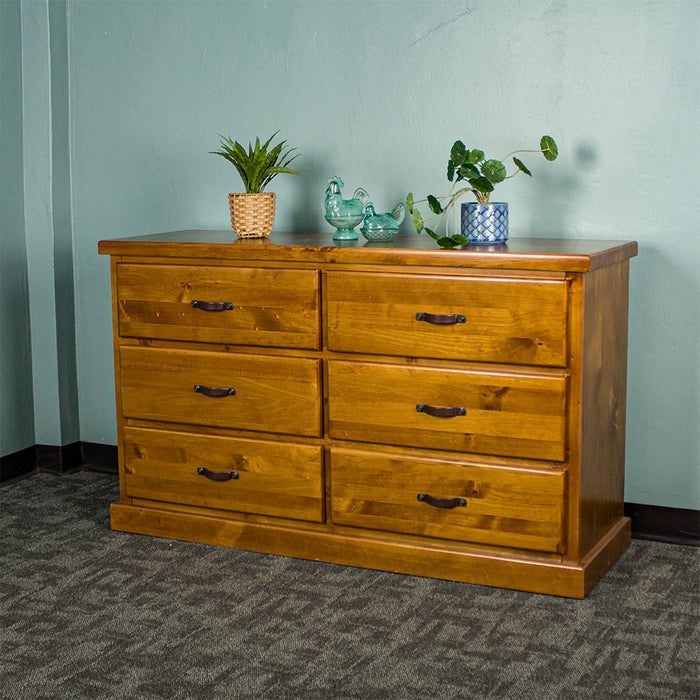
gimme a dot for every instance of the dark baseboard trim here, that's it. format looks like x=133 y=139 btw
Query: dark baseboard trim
x=18 y=464
x=66 y=458
x=59 y=460
x=662 y=524
x=659 y=523
x=97 y=457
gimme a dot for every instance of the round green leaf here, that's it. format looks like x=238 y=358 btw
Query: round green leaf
x=467 y=171
x=481 y=184
x=458 y=152
x=432 y=233
x=409 y=202
x=446 y=242
x=494 y=171
x=521 y=166
x=475 y=156
x=434 y=204
x=417 y=220
x=549 y=148
x=450 y=169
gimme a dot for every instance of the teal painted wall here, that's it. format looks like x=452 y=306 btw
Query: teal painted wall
x=61 y=221
x=16 y=403
x=376 y=91
x=48 y=220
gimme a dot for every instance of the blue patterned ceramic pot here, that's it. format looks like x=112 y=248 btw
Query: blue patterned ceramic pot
x=485 y=223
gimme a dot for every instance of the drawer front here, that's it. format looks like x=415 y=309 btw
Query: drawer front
x=500 y=413
x=495 y=505
x=521 y=321
x=277 y=308
x=269 y=478
x=278 y=394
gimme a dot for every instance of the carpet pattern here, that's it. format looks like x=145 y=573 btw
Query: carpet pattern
x=90 y=613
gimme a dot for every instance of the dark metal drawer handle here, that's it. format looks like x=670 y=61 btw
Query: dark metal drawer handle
x=441 y=502
x=441 y=319
x=212 y=305
x=216 y=476
x=440 y=411
x=214 y=391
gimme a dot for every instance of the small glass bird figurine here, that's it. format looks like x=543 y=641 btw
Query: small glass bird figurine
x=382 y=227
x=344 y=214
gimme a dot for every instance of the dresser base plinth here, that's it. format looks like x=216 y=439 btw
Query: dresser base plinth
x=449 y=563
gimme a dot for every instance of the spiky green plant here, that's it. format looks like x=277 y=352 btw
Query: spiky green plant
x=480 y=175
x=257 y=166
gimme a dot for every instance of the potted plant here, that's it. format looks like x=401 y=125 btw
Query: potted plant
x=253 y=212
x=482 y=221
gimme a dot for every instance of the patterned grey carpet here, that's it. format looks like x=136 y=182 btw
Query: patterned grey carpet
x=90 y=613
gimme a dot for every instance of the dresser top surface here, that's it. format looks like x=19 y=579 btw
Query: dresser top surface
x=574 y=255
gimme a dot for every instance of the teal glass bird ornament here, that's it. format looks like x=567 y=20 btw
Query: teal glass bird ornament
x=382 y=227
x=344 y=214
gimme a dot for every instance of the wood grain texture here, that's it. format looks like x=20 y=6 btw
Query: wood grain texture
x=275 y=394
x=278 y=308
x=516 y=414
x=526 y=573
x=503 y=506
x=114 y=265
x=346 y=407
x=512 y=320
x=573 y=412
x=274 y=478
x=604 y=393
x=407 y=250
x=607 y=550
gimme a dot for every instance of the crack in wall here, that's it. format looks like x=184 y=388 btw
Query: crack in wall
x=447 y=22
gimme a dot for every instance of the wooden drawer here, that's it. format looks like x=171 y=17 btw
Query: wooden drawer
x=506 y=320
x=268 y=307
x=273 y=478
x=519 y=414
x=504 y=506
x=277 y=394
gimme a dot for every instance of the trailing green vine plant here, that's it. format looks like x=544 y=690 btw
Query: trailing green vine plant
x=478 y=176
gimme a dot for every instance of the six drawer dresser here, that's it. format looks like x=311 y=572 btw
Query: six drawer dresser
x=458 y=414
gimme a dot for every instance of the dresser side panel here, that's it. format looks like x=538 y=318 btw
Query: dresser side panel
x=604 y=387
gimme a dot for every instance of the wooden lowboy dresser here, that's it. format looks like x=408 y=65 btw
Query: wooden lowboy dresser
x=458 y=414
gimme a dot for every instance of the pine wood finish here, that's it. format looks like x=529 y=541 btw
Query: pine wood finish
x=520 y=508
x=279 y=308
x=456 y=414
x=511 y=320
x=281 y=478
x=504 y=414
x=278 y=394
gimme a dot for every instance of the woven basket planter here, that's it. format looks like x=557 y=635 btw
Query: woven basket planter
x=252 y=215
